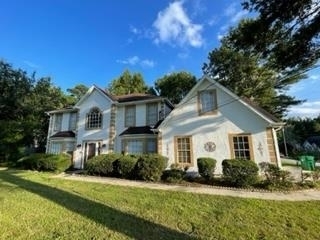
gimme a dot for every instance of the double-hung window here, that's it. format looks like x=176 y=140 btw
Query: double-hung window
x=73 y=121
x=183 y=150
x=130 y=116
x=57 y=122
x=241 y=146
x=152 y=114
x=207 y=102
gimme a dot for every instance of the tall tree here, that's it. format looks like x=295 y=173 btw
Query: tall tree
x=285 y=32
x=77 y=92
x=128 y=83
x=23 y=103
x=175 y=86
x=248 y=74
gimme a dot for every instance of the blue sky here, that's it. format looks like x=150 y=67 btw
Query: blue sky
x=93 y=42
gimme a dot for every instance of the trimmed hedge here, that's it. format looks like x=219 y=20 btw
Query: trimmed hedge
x=206 y=167
x=149 y=167
x=174 y=175
x=101 y=165
x=45 y=162
x=124 y=166
x=240 y=173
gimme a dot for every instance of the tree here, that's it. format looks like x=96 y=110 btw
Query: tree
x=243 y=72
x=285 y=32
x=128 y=83
x=77 y=92
x=23 y=103
x=175 y=86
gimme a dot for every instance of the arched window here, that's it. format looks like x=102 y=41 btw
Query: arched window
x=94 y=119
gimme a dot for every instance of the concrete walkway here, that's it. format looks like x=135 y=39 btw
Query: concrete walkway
x=304 y=195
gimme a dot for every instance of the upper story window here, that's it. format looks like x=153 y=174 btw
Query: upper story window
x=94 y=119
x=73 y=121
x=130 y=116
x=57 y=122
x=152 y=114
x=207 y=102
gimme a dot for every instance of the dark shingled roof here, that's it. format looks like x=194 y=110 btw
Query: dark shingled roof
x=64 y=134
x=135 y=97
x=137 y=130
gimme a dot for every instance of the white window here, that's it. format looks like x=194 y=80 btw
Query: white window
x=241 y=146
x=73 y=121
x=94 y=119
x=130 y=116
x=207 y=101
x=57 y=122
x=183 y=150
x=134 y=146
x=151 y=146
x=152 y=114
x=55 y=147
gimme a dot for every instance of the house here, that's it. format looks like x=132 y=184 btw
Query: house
x=210 y=121
x=103 y=123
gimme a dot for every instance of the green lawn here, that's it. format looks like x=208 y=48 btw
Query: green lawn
x=35 y=206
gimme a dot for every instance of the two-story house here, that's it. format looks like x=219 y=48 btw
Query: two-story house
x=210 y=121
x=103 y=123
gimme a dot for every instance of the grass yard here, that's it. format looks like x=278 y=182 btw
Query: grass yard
x=36 y=206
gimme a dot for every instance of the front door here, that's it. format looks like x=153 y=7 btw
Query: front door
x=91 y=150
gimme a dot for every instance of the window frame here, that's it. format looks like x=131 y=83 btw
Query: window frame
x=126 y=112
x=144 y=140
x=214 y=109
x=233 y=150
x=89 y=116
x=57 y=122
x=73 y=121
x=156 y=114
x=177 y=151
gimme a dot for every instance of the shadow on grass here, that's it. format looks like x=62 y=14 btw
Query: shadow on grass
x=128 y=224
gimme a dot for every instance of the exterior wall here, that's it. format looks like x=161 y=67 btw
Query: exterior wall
x=99 y=136
x=232 y=117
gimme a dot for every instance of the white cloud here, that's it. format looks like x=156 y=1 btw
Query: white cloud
x=307 y=109
x=135 y=60
x=230 y=10
x=31 y=64
x=174 y=26
x=238 y=16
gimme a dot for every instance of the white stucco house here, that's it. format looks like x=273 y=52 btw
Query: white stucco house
x=210 y=121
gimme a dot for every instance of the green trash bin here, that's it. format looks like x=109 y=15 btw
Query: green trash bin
x=307 y=162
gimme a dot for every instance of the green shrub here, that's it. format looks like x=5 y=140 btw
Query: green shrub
x=45 y=162
x=275 y=178
x=240 y=173
x=206 y=167
x=123 y=167
x=174 y=175
x=101 y=165
x=149 y=167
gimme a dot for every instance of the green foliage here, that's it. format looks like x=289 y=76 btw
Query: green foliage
x=45 y=162
x=101 y=165
x=173 y=175
x=284 y=32
x=175 y=85
x=206 y=167
x=128 y=83
x=149 y=167
x=76 y=93
x=275 y=178
x=240 y=173
x=123 y=167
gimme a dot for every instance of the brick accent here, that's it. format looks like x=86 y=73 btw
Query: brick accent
x=112 y=129
x=271 y=147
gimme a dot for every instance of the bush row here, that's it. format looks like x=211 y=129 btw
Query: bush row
x=148 y=167
x=45 y=162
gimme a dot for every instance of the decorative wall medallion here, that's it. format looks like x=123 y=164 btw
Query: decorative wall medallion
x=210 y=146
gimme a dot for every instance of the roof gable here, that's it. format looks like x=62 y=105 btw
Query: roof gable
x=247 y=103
x=99 y=90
